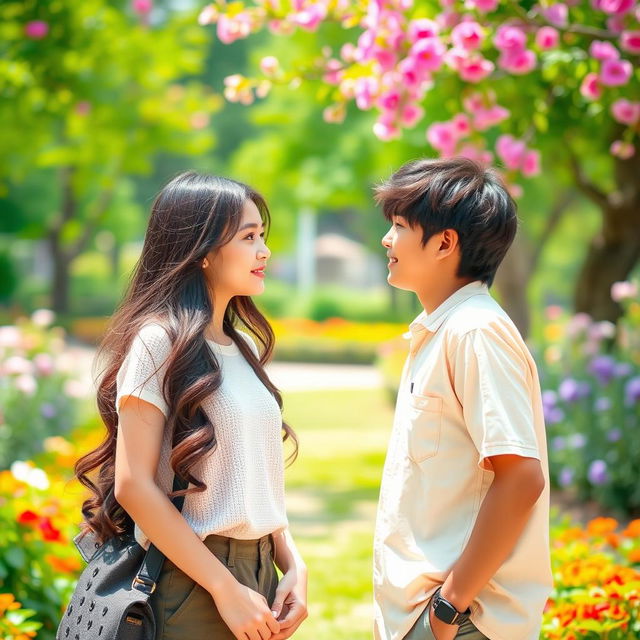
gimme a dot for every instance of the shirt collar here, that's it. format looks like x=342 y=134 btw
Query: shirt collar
x=433 y=321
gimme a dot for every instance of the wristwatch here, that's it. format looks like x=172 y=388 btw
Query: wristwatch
x=445 y=611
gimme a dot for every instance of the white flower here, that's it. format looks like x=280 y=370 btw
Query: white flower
x=9 y=336
x=623 y=290
x=26 y=472
x=17 y=364
x=43 y=317
x=26 y=383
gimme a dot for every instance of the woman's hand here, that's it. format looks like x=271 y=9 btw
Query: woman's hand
x=245 y=611
x=290 y=604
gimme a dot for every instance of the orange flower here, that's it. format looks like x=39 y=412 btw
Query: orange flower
x=632 y=530
x=614 y=540
x=64 y=565
x=602 y=526
x=570 y=534
x=634 y=555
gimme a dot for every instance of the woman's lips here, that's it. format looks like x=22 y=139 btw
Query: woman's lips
x=259 y=273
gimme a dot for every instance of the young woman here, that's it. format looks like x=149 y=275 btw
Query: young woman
x=183 y=391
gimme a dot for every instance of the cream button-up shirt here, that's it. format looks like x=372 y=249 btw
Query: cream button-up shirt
x=469 y=390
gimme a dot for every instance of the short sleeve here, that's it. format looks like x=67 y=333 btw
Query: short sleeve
x=144 y=367
x=493 y=382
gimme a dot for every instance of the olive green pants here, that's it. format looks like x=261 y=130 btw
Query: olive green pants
x=186 y=611
x=421 y=630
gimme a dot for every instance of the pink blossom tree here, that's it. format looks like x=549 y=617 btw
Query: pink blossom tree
x=523 y=85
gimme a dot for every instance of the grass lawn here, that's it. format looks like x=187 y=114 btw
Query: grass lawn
x=332 y=490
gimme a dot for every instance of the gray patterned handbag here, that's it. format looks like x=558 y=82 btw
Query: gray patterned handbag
x=111 y=599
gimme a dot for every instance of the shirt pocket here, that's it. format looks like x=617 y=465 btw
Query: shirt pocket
x=425 y=425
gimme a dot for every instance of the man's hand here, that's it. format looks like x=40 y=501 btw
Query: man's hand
x=441 y=630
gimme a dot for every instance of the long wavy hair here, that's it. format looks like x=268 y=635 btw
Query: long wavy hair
x=192 y=215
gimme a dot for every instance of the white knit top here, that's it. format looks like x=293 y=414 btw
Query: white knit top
x=244 y=473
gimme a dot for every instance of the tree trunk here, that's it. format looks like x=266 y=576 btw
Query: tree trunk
x=512 y=280
x=60 y=279
x=614 y=252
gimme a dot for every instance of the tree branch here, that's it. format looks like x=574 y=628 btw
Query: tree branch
x=553 y=220
x=584 y=184
x=94 y=219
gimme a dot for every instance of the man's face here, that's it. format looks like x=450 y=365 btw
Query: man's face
x=412 y=266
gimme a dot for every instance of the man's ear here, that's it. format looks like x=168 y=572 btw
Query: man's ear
x=449 y=242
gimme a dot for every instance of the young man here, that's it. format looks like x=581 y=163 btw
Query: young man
x=461 y=541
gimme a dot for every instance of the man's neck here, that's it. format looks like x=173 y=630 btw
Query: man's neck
x=432 y=298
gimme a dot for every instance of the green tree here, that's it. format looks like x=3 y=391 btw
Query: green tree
x=89 y=94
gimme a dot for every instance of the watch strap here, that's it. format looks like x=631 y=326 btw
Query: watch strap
x=446 y=611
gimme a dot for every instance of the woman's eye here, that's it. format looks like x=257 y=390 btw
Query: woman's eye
x=250 y=236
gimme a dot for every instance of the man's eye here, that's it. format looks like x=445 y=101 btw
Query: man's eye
x=397 y=224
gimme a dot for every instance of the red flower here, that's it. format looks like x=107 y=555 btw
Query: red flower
x=49 y=532
x=28 y=517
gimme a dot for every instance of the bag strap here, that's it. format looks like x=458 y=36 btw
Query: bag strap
x=149 y=573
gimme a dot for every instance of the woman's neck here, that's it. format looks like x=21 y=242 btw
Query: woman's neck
x=215 y=330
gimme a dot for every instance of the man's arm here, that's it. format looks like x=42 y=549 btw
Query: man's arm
x=504 y=513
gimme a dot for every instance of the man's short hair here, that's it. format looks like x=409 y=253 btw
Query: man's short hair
x=455 y=193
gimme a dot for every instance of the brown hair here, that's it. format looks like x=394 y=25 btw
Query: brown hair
x=455 y=193
x=192 y=215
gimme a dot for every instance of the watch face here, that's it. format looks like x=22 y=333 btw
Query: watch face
x=444 y=611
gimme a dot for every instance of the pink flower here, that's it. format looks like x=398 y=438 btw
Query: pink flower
x=36 y=29
x=484 y=6
x=630 y=41
x=348 y=52
x=486 y=118
x=615 y=7
x=208 y=15
x=622 y=150
x=473 y=152
x=385 y=129
x=615 y=73
x=335 y=113
x=467 y=35
x=428 y=53
x=44 y=364
x=269 y=65
x=590 y=87
x=311 y=17
x=624 y=291
x=412 y=74
x=547 y=38
x=625 y=111
x=440 y=136
x=471 y=69
x=461 y=125
x=199 y=120
x=333 y=71
x=421 y=29
x=232 y=29
x=142 y=7
x=511 y=151
x=386 y=58
x=518 y=63
x=531 y=164
x=411 y=114
x=365 y=90
x=602 y=50
x=557 y=14
x=389 y=100
x=510 y=39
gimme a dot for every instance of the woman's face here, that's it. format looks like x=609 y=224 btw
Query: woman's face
x=238 y=267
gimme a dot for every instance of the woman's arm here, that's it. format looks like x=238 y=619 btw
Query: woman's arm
x=290 y=604
x=139 y=441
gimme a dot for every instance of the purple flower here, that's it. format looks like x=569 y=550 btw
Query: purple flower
x=571 y=390
x=623 y=369
x=549 y=398
x=614 y=435
x=602 y=404
x=603 y=368
x=48 y=410
x=597 y=473
x=566 y=477
x=553 y=415
x=632 y=391
x=558 y=443
x=577 y=440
